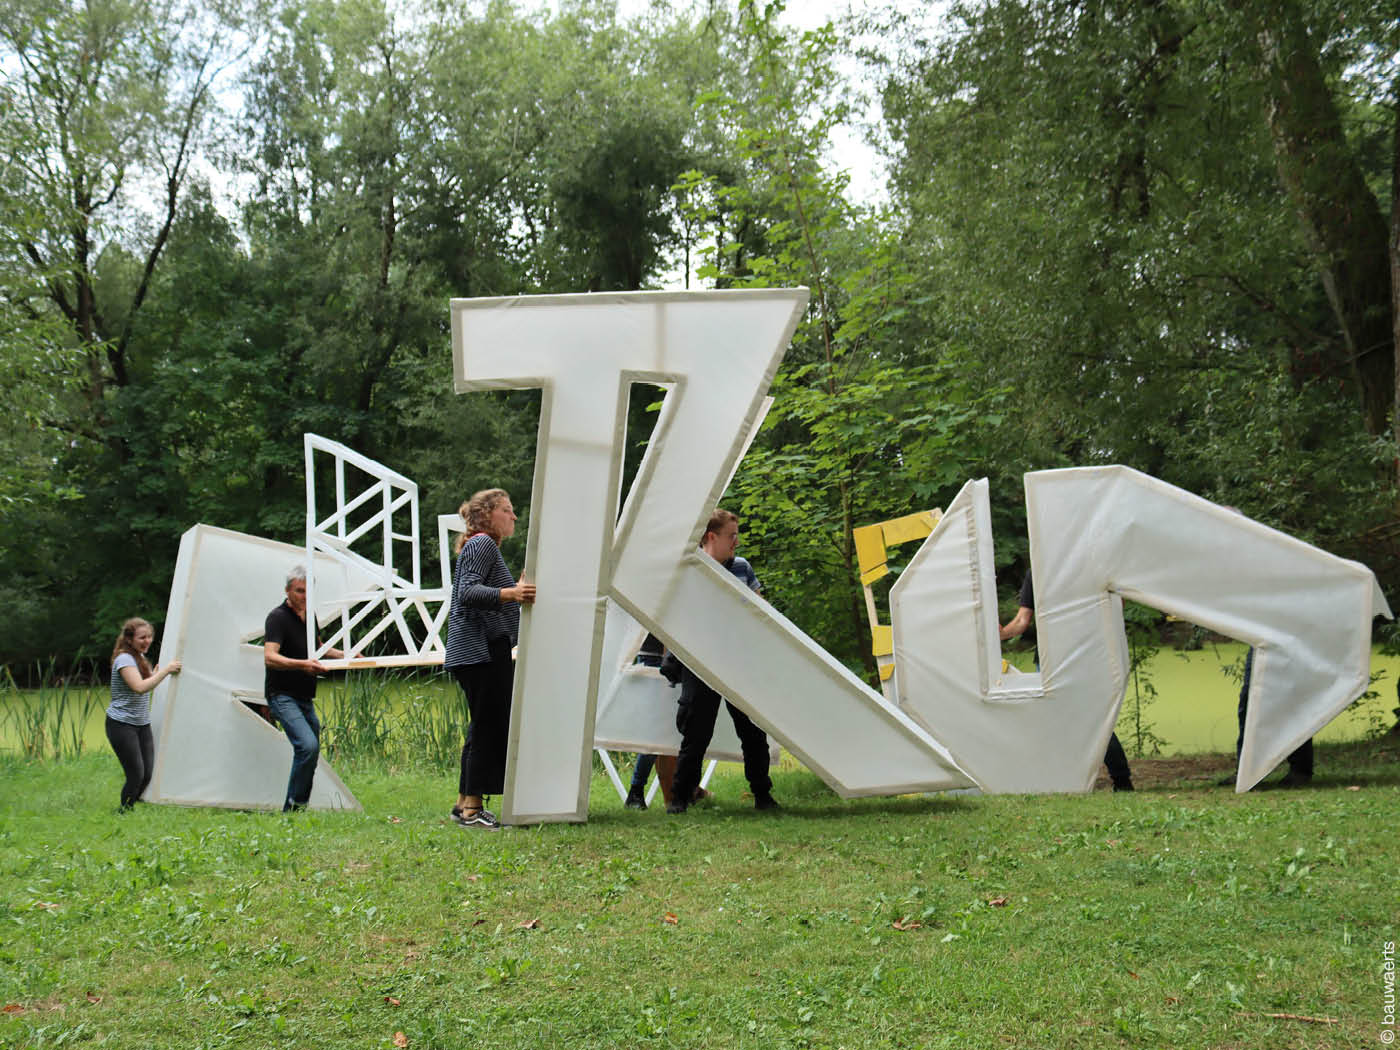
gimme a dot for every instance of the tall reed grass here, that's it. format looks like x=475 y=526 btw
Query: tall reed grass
x=50 y=721
x=403 y=717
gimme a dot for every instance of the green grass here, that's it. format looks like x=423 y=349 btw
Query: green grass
x=1182 y=917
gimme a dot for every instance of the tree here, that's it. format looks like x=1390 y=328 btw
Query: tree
x=106 y=107
x=107 y=96
x=1327 y=184
x=868 y=421
x=1092 y=193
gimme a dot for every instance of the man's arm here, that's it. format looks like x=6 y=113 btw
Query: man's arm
x=273 y=658
x=1016 y=626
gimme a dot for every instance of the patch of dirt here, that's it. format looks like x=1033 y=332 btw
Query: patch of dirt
x=1178 y=771
x=1365 y=762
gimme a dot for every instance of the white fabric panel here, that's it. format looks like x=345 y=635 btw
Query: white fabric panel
x=835 y=724
x=577 y=351
x=720 y=349
x=210 y=749
x=637 y=707
x=169 y=642
x=1098 y=535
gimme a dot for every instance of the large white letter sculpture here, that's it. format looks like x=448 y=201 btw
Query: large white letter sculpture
x=211 y=749
x=1098 y=535
x=720 y=350
x=363 y=588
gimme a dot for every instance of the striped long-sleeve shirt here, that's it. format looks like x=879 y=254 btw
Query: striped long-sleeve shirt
x=477 y=614
x=128 y=705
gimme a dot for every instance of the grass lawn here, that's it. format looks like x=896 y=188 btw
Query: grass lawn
x=1180 y=916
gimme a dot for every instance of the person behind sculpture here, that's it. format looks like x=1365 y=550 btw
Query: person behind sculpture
x=650 y=655
x=129 y=713
x=699 y=704
x=1300 y=759
x=1115 y=758
x=483 y=624
x=289 y=684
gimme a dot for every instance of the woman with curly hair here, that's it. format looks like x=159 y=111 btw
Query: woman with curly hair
x=483 y=625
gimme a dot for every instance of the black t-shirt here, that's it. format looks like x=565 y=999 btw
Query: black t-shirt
x=288 y=630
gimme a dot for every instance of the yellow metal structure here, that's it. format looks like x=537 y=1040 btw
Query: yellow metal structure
x=872 y=556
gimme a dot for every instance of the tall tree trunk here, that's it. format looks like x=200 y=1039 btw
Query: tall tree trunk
x=1395 y=260
x=1339 y=213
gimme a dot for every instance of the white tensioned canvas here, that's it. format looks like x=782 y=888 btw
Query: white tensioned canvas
x=720 y=350
x=636 y=706
x=1096 y=534
x=1099 y=535
x=211 y=750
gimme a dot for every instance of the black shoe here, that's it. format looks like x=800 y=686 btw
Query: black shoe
x=1294 y=779
x=676 y=807
x=765 y=803
x=635 y=800
x=475 y=818
x=1228 y=780
x=1127 y=785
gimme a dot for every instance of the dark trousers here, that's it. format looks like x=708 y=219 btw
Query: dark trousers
x=1301 y=760
x=488 y=687
x=695 y=718
x=1116 y=759
x=642 y=770
x=136 y=751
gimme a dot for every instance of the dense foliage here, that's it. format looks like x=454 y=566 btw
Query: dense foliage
x=1153 y=234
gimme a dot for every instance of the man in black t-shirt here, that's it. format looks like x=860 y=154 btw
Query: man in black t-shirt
x=289 y=686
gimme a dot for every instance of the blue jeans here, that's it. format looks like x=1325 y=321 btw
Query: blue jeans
x=303 y=729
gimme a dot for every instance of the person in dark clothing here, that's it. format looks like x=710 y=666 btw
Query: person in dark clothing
x=483 y=625
x=290 y=686
x=699 y=704
x=1300 y=762
x=1115 y=758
